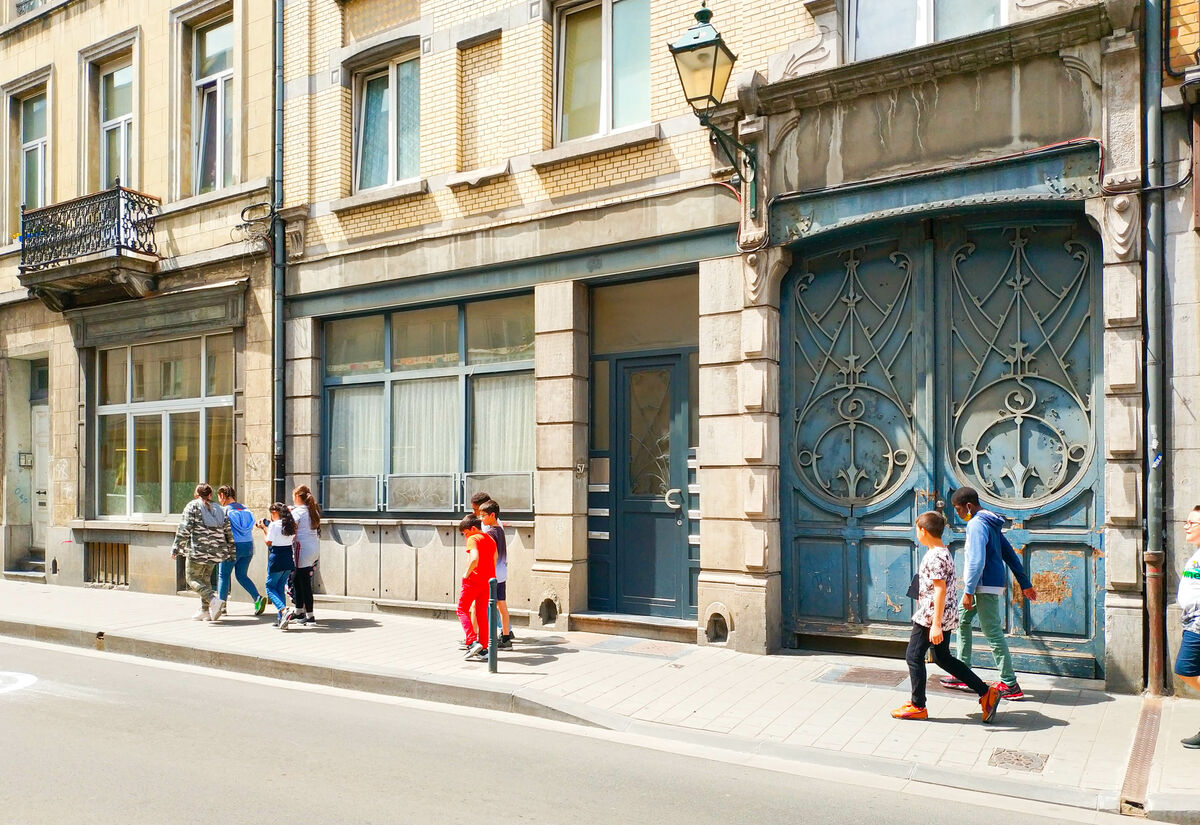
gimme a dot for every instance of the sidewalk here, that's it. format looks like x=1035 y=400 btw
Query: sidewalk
x=1069 y=743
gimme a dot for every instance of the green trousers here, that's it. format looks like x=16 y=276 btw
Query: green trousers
x=989 y=608
x=199 y=579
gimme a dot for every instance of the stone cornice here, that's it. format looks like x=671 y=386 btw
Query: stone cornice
x=1044 y=35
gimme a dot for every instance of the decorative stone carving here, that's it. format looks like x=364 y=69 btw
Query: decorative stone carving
x=1084 y=60
x=136 y=284
x=764 y=270
x=812 y=54
x=1122 y=224
x=295 y=222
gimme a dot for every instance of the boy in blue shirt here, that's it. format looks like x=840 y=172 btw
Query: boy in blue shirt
x=242 y=522
x=986 y=554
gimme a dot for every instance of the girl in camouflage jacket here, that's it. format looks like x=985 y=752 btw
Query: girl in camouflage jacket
x=205 y=538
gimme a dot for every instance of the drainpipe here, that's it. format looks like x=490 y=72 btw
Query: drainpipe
x=278 y=265
x=1154 y=33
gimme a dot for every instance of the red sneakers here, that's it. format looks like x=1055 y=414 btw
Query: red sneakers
x=1012 y=693
x=910 y=711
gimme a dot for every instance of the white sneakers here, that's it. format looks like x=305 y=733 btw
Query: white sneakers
x=200 y=615
x=284 y=619
x=215 y=608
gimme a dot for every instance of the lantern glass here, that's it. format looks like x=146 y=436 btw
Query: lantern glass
x=704 y=68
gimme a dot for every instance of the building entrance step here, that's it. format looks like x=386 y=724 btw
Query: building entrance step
x=627 y=624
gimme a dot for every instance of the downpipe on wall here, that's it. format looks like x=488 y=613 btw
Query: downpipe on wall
x=1154 y=35
x=278 y=269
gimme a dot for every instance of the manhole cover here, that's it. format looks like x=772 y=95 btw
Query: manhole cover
x=874 y=676
x=1018 y=760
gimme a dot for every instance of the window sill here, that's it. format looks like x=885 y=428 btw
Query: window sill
x=208 y=198
x=382 y=194
x=595 y=145
x=477 y=177
x=124 y=524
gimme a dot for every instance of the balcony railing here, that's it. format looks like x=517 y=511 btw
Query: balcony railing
x=26 y=6
x=117 y=219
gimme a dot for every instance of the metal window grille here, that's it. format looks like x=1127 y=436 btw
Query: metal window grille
x=106 y=562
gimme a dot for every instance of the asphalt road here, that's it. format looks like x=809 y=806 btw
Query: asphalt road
x=98 y=739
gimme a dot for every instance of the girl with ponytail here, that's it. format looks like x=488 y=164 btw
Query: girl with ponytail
x=307 y=514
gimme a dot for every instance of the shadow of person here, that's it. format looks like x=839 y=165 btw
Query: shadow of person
x=338 y=625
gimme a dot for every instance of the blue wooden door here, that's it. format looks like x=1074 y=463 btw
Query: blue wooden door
x=923 y=358
x=654 y=572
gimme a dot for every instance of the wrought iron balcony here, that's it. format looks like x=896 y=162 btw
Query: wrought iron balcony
x=118 y=219
x=26 y=6
x=92 y=250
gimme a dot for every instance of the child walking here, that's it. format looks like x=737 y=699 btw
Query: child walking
x=489 y=513
x=934 y=617
x=481 y=566
x=281 y=532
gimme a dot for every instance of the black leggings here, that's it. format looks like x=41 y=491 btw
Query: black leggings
x=918 y=643
x=302 y=592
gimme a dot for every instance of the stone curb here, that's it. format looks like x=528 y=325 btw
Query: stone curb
x=1177 y=808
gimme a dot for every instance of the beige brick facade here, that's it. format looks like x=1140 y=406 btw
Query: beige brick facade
x=202 y=241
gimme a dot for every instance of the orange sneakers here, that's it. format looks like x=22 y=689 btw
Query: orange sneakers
x=988 y=703
x=910 y=711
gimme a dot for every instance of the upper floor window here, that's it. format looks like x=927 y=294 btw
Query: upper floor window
x=885 y=26
x=387 y=144
x=33 y=151
x=603 y=67
x=213 y=106
x=116 y=125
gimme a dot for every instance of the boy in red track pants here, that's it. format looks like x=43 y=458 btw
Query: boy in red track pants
x=481 y=567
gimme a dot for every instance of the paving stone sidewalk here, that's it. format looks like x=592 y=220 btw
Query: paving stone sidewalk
x=1068 y=743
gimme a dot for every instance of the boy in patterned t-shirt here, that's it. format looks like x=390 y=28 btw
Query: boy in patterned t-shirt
x=1187 y=662
x=934 y=617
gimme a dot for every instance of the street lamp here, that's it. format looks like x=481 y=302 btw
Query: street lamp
x=704 y=63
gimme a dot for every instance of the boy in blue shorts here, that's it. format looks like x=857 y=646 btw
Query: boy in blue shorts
x=489 y=512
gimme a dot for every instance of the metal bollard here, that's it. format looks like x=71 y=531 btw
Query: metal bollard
x=492 y=616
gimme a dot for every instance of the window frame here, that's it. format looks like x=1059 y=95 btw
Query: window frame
x=199 y=90
x=41 y=145
x=561 y=13
x=164 y=409
x=925 y=32
x=389 y=376
x=121 y=123
x=361 y=78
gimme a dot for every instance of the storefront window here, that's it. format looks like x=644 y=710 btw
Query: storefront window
x=170 y=406
x=455 y=409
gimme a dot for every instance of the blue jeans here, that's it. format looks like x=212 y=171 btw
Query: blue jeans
x=240 y=567
x=277 y=588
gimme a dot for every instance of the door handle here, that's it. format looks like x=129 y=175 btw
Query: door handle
x=674 y=505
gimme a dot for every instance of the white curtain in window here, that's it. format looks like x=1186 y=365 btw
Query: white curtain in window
x=957 y=18
x=425 y=426
x=356 y=434
x=630 y=62
x=373 y=136
x=884 y=26
x=408 y=119
x=502 y=426
x=582 y=65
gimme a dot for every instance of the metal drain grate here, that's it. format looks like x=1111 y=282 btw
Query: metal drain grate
x=874 y=676
x=1026 y=761
x=1137 y=774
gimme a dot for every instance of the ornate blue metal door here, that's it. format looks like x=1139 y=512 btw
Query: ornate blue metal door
x=929 y=357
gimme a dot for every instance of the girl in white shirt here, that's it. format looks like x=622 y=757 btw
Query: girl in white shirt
x=308 y=549
x=281 y=531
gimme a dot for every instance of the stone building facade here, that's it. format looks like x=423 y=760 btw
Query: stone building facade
x=135 y=326
x=710 y=402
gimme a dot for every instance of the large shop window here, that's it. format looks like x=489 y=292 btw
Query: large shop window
x=885 y=26
x=603 y=73
x=165 y=423
x=425 y=407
